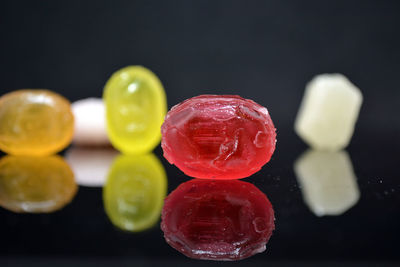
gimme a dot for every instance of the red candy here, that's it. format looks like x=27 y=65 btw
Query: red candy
x=218 y=136
x=217 y=220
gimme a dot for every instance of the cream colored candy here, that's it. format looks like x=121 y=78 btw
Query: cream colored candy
x=327 y=182
x=328 y=112
x=90 y=124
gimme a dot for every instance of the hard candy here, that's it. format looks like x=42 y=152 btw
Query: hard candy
x=217 y=220
x=328 y=182
x=35 y=184
x=35 y=122
x=135 y=108
x=328 y=112
x=90 y=122
x=134 y=192
x=218 y=136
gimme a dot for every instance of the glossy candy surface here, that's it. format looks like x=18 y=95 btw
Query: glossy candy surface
x=217 y=220
x=134 y=192
x=135 y=108
x=35 y=122
x=35 y=184
x=218 y=136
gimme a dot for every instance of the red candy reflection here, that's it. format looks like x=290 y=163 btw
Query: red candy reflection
x=218 y=136
x=217 y=220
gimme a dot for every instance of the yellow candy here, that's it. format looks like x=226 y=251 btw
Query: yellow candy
x=135 y=109
x=134 y=192
x=35 y=184
x=35 y=122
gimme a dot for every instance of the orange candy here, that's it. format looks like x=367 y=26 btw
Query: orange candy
x=35 y=122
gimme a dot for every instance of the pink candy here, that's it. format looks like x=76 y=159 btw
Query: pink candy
x=218 y=137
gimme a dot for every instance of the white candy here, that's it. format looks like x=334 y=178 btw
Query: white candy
x=327 y=182
x=90 y=165
x=90 y=126
x=328 y=112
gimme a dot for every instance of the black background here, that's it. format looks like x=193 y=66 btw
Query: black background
x=263 y=50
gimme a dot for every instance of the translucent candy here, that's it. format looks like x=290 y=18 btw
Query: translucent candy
x=217 y=220
x=328 y=182
x=134 y=192
x=35 y=184
x=328 y=112
x=220 y=137
x=135 y=108
x=35 y=122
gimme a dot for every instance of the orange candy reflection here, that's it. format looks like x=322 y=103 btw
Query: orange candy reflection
x=35 y=184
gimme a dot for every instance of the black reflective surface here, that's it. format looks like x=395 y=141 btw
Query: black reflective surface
x=367 y=230
x=263 y=50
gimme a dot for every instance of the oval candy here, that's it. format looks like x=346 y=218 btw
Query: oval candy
x=218 y=136
x=135 y=108
x=35 y=122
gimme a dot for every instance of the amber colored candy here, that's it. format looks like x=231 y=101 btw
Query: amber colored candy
x=217 y=220
x=134 y=192
x=218 y=136
x=35 y=122
x=35 y=184
x=135 y=105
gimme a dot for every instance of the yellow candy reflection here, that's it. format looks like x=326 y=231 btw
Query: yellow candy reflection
x=134 y=192
x=35 y=184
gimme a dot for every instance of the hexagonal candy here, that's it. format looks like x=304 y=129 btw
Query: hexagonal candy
x=328 y=112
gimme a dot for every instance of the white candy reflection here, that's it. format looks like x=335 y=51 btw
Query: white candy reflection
x=327 y=181
x=90 y=165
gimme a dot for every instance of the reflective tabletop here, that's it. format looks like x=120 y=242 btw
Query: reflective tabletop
x=329 y=207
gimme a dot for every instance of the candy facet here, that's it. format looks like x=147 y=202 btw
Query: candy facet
x=217 y=220
x=328 y=182
x=134 y=192
x=90 y=122
x=328 y=112
x=135 y=109
x=221 y=137
x=35 y=184
x=35 y=122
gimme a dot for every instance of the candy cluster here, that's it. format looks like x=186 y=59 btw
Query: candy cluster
x=214 y=138
x=35 y=124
